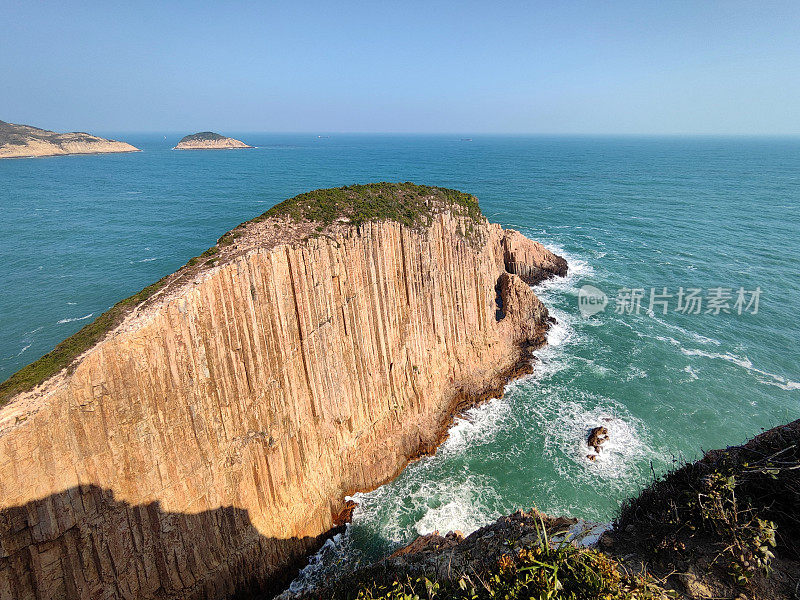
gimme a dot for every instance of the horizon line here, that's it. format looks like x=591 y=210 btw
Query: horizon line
x=467 y=134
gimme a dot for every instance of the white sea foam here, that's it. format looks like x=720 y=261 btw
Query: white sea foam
x=62 y=321
x=690 y=334
x=589 y=365
x=635 y=372
x=744 y=362
x=333 y=551
x=462 y=507
x=566 y=417
x=561 y=331
x=431 y=500
x=692 y=375
x=478 y=425
x=24 y=348
x=577 y=269
x=552 y=358
x=783 y=384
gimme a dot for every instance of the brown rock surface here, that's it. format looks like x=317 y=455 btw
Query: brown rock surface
x=23 y=141
x=597 y=437
x=207 y=442
x=530 y=260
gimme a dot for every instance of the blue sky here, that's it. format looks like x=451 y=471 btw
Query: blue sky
x=619 y=67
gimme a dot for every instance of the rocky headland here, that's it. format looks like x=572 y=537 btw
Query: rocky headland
x=208 y=140
x=24 y=141
x=199 y=438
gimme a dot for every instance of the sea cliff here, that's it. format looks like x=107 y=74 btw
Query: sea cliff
x=24 y=141
x=199 y=439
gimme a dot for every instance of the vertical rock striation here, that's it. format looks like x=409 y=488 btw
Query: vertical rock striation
x=207 y=442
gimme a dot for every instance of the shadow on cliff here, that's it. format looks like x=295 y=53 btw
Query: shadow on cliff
x=83 y=543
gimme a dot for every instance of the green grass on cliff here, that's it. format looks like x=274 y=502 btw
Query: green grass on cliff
x=545 y=570
x=735 y=510
x=409 y=204
x=67 y=351
x=203 y=136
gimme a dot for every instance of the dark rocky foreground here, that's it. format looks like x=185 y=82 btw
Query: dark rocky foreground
x=725 y=526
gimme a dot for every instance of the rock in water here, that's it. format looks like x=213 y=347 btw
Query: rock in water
x=597 y=437
x=208 y=140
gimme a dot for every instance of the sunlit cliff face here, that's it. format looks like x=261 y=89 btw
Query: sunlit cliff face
x=207 y=442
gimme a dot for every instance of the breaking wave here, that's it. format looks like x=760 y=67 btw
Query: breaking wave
x=73 y=319
x=742 y=361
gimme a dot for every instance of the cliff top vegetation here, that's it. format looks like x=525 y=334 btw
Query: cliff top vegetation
x=409 y=204
x=406 y=203
x=13 y=134
x=522 y=556
x=203 y=136
x=731 y=516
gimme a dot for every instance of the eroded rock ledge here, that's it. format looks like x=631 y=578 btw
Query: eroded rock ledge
x=206 y=437
x=23 y=141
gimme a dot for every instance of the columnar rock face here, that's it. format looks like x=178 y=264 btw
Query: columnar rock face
x=530 y=260
x=22 y=141
x=208 y=441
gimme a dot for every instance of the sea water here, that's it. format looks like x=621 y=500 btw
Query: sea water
x=82 y=232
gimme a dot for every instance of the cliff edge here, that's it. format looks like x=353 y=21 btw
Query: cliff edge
x=198 y=439
x=24 y=141
x=208 y=140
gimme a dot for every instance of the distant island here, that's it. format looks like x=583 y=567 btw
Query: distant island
x=208 y=140
x=24 y=141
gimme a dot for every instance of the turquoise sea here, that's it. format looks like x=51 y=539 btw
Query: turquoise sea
x=82 y=232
